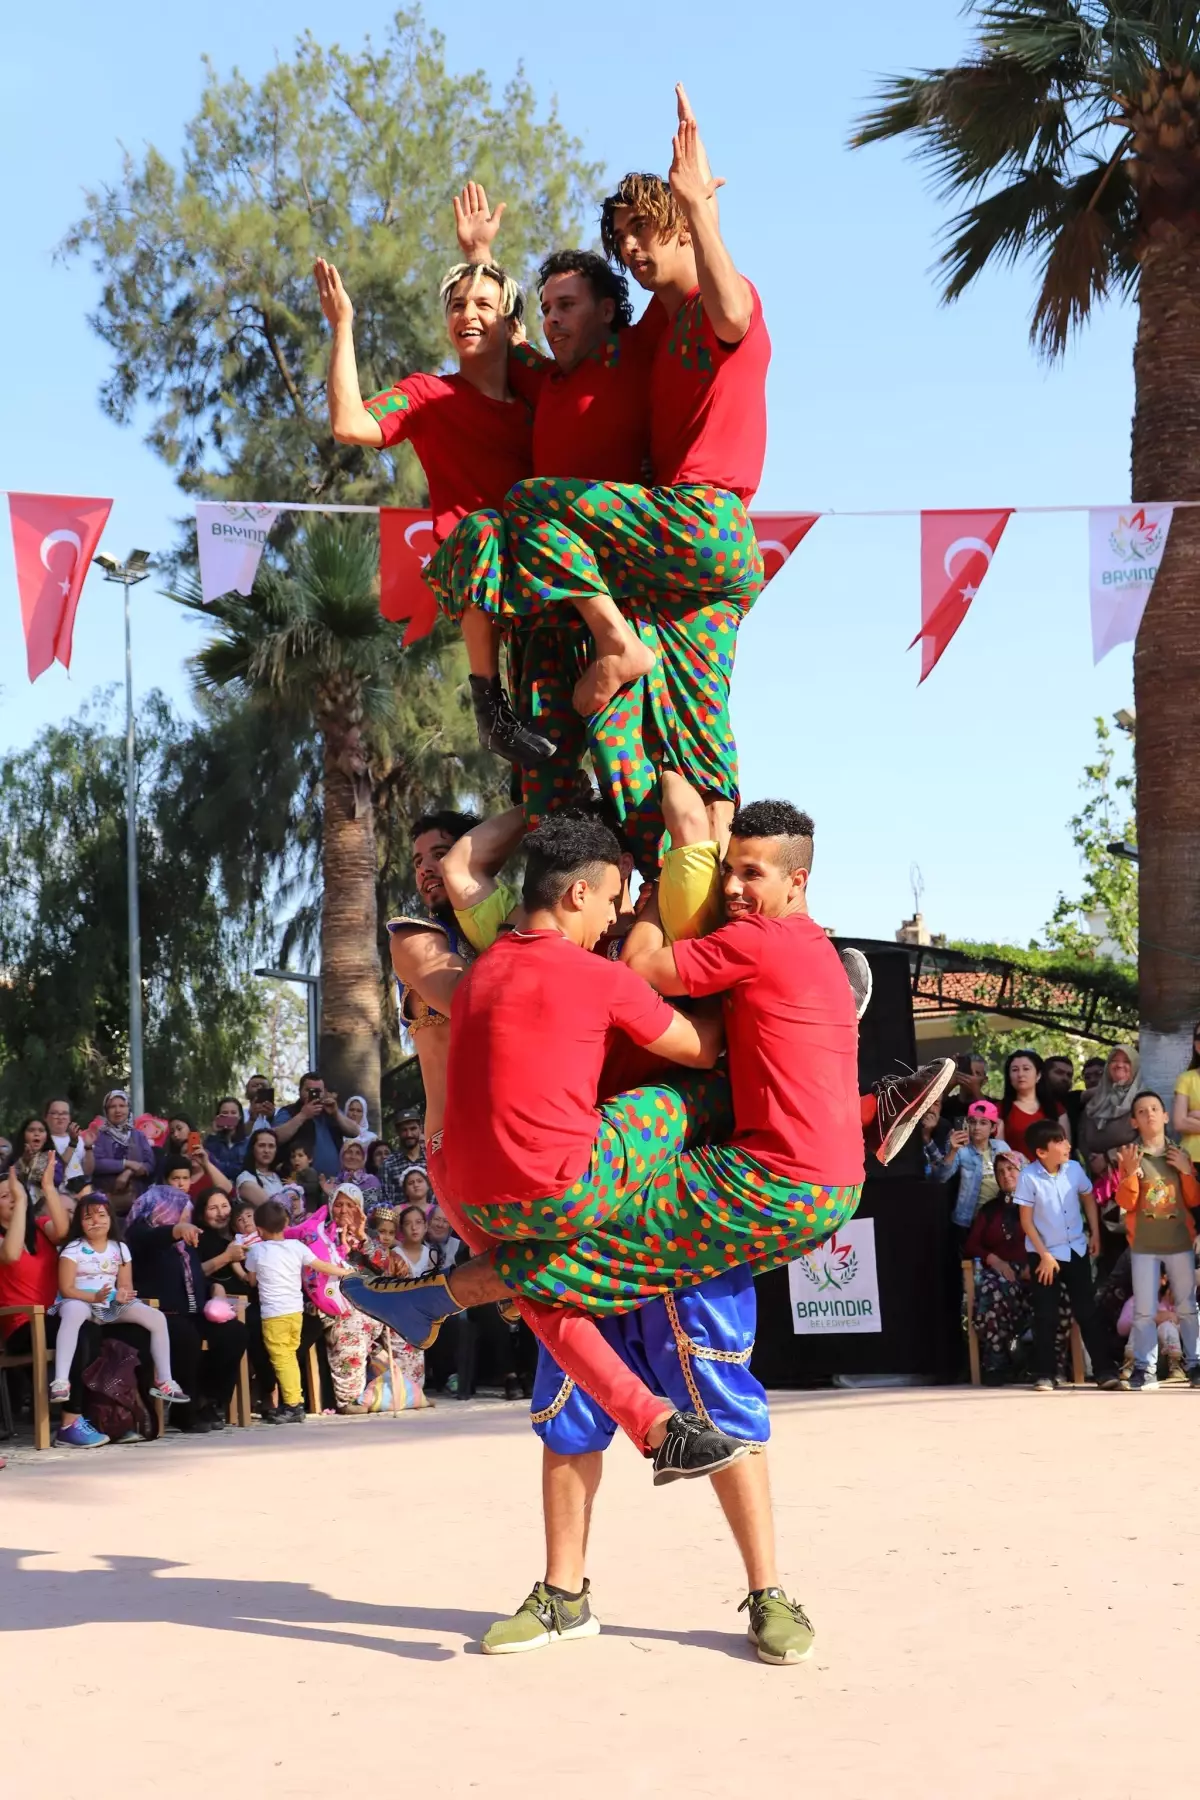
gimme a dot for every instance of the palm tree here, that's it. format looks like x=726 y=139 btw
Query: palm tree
x=1070 y=135
x=307 y=655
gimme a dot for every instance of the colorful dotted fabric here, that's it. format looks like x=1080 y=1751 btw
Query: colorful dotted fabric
x=658 y=1209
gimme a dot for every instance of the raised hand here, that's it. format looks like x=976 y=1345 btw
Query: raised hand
x=335 y=301
x=475 y=222
x=692 y=180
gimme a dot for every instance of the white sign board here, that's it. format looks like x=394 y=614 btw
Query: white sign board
x=835 y=1288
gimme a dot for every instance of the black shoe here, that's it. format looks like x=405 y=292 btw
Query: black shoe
x=693 y=1448
x=512 y=1388
x=900 y=1101
x=195 y=1428
x=500 y=729
x=291 y=1415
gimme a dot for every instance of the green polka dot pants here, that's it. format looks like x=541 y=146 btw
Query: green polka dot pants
x=657 y=1210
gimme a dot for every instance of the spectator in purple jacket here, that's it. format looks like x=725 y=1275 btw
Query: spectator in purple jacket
x=124 y=1159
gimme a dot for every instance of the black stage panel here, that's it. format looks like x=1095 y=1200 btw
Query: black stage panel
x=918 y=1300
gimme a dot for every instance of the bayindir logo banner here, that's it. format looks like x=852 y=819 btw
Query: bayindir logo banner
x=835 y=1287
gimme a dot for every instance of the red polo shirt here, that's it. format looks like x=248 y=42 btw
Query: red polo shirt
x=708 y=403
x=472 y=448
x=792 y=1039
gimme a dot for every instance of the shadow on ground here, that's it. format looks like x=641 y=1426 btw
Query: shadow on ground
x=130 y=1590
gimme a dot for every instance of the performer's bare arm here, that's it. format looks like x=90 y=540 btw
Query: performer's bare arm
x=349 y=419
x=471 y=867
x=424 y=961
x=649 y=955
x=728 y=302
x=695 y=1041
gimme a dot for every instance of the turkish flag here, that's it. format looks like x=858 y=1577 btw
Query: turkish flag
x=778 y=535
x=956 y=553
x=54 y=538
x=406 y=545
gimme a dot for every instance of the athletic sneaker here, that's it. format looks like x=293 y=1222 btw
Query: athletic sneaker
x=539 y=1620
x=1045 y=1384
x=59 y=1391
x=80 y=1436
x=169 y=1390
x=780 y=1627
x=413 y=1308
x=1143 y=1381
x=500 y=729
x=1193 y=1376
x=858 y=973
x=900 y=1102
x=693 y=1448
x=129 y=1437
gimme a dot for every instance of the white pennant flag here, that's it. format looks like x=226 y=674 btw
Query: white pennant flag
x=231 y=541
x=1127 y=544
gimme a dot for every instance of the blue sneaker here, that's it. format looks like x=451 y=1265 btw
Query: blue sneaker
x=80 y=1436
x=414 y=1309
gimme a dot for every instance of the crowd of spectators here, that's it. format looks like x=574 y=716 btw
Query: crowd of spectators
x=1074 y=1203
x=164 y=1254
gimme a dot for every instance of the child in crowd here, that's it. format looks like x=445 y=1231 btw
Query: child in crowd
x=1158 y=1193
x=276 y=1264
x=95 y=1282
x=242 y=1219
x=1049 y=1194
x=299 y=1172
x=971 y=1151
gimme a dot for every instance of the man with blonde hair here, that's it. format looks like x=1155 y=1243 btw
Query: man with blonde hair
x=473 y=436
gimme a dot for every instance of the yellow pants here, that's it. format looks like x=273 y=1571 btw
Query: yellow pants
x=282 y=1338
x=689 y=891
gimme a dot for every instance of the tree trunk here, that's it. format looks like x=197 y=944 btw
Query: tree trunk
x=350 y=968
x=1166 y=663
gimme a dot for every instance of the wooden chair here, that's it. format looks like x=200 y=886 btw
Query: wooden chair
x=239 y=1405
x=38 y=1359
x=1078 y=1370
x=312 y=1379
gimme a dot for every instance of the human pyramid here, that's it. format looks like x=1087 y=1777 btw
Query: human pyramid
x=616 y=1184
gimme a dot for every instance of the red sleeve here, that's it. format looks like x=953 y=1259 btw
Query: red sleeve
x=711 y=964
x=634 y=1007
x=756 y=326
x=528 y=371
x=397 y=407
x=976 y=1244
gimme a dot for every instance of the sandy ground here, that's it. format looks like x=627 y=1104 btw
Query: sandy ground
x=1003 y=1587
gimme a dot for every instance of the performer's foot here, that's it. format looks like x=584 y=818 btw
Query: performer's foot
x=539 y=1620
x=508 y=1311
x=900 y=1101
x=414 y=1309
x=780 y=1627
x=500 y=729
x=693 y=1448
x=605 y=678
x=858 y=974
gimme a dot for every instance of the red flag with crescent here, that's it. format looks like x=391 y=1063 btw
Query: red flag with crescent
x=778 y=535
x=55 y=537
x=406 y=546
x=956 y=553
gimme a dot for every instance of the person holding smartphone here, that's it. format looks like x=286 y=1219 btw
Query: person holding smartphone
x=316 y=1124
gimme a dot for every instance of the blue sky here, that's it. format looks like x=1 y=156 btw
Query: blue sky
x=879 y=398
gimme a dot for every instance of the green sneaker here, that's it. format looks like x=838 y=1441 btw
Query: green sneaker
x=539 y=1620
x=780 y=1627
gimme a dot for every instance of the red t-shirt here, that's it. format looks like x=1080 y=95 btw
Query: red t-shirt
x=534 y=1019
x=472 y=448
x=708 y=403
x=793 y=1043
x=594 y=423
x=31 y=1280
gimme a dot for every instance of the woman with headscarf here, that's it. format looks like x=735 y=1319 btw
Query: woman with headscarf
x=356 y=1112
x=124 y=1158
x=357 y=1347
x=1003 y=1313
x=354 y=1170
x=167 y=1267
x=1105 y=1123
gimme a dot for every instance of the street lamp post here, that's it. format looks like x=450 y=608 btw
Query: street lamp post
x=135 y=568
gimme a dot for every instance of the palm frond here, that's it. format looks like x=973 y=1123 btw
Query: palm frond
x=1088 y=253
x=999 y=228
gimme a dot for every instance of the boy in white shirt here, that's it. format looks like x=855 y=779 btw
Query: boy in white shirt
x=276 y=1264
x=1053 y=1195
